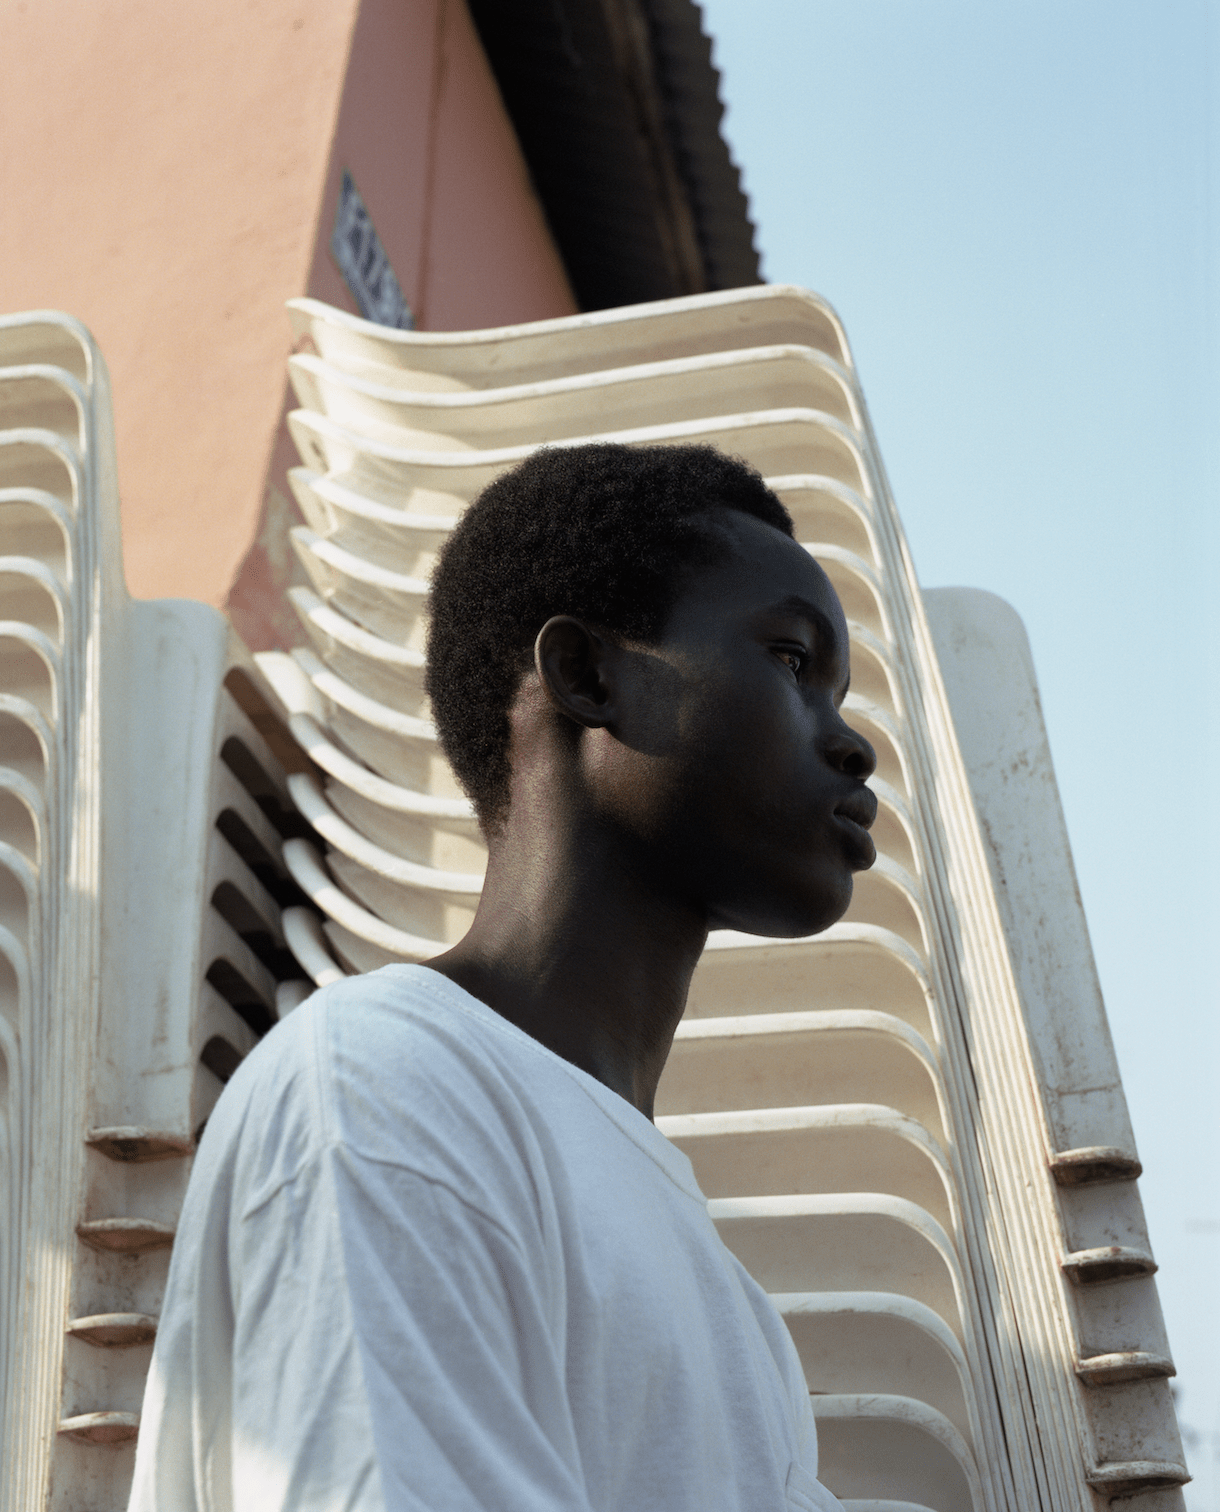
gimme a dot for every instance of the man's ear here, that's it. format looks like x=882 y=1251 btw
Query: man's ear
x=571 y=662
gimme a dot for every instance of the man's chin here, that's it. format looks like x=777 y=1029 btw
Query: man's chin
x=794 y=917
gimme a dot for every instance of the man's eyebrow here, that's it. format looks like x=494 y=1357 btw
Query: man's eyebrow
x=810 y=611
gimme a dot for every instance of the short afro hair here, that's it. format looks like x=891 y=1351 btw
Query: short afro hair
x=602 y=532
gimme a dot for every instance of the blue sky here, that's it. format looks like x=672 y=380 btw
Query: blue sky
x=1013 y=206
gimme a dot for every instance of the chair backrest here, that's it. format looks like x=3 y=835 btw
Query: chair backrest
x=142 y=814
x=910 y=1128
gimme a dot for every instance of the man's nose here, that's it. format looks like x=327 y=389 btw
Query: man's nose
x=849 y=752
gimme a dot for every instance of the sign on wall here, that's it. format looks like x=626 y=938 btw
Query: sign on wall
x=362 y=260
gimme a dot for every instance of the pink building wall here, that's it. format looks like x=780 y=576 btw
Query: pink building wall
x=170 y=173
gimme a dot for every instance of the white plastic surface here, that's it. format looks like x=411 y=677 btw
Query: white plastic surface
x=140 y=941
x=895 y=1134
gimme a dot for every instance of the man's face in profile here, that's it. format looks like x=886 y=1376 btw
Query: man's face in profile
x=735 y=769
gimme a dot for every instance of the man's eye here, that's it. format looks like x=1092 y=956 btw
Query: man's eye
x=795 y=660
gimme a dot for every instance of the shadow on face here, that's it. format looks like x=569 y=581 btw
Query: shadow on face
x=728 y=760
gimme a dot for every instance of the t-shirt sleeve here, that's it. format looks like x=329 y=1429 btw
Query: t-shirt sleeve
x=394 y=1349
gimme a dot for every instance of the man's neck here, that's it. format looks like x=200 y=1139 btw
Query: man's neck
x=574 y=947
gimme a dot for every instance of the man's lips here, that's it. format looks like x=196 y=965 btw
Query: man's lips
x=855 y=813
x=860 y=807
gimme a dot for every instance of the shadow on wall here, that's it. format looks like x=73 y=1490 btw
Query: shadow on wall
x=258 y=605
x=423 y=132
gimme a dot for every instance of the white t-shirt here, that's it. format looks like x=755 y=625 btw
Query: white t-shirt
x=425 y=1263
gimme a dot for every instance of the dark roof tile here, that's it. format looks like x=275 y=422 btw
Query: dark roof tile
x=616 y=105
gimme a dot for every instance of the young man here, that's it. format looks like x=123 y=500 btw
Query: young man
x=435 y=1255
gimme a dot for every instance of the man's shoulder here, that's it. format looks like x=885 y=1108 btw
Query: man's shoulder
x=396 y=1022
x=410 y=1027
x=398 y=1066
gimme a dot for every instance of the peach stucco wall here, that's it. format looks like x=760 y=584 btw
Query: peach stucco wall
x=169 y=174
x=423 y=131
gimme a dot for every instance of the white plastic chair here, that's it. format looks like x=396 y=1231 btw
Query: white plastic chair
x=896 y=1132
x=141 y=947
x=449 y=361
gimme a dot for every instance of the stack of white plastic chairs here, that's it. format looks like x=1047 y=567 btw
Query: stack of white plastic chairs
x=141 y=953
x=911 y=1128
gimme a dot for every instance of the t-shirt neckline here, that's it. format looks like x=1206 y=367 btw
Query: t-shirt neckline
x=626 y=1118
